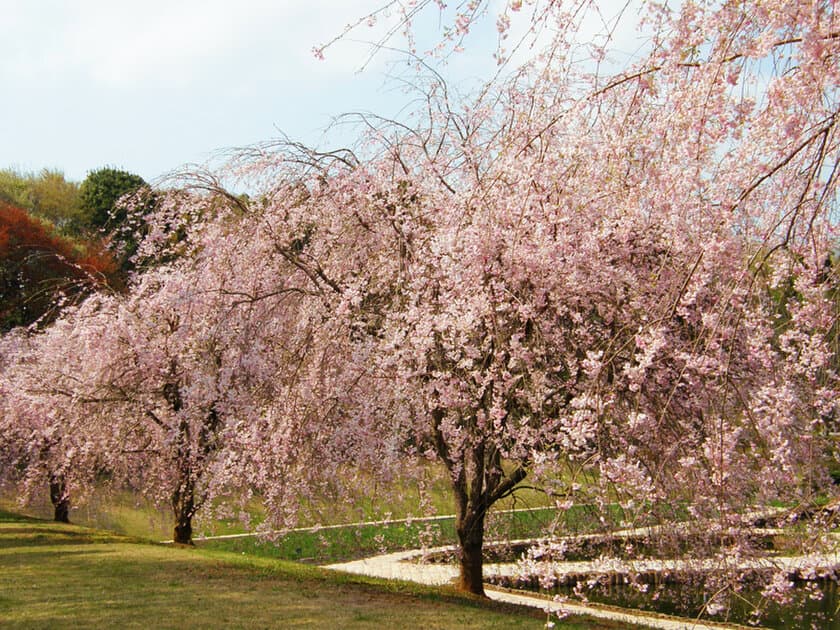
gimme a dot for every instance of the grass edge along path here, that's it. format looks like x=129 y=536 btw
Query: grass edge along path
x=52 y=574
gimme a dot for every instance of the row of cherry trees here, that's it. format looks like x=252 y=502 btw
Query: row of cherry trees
x=627 y=278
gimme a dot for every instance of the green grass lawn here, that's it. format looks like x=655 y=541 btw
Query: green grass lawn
x=55 y=575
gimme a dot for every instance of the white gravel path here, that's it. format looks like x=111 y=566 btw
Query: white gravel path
x=404 y=565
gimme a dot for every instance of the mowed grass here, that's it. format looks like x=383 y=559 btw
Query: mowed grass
x=55 y=575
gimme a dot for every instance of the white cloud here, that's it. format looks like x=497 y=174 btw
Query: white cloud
x=149 y=86
x=120 y=42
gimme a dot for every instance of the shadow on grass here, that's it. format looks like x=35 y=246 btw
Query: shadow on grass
x=48 y=536
x=49 y=555
x=11 y=517
x=46 y=582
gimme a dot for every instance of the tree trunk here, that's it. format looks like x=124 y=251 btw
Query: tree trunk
x=470 y=528
x=183 y=531
x=478 y=481
x=183 y=498
x=477 y=487
x=183 y=507
x=60 y=499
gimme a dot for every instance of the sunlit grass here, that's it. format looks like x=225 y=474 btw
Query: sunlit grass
x=118 y=511
x=54 y=575
x=127 y=512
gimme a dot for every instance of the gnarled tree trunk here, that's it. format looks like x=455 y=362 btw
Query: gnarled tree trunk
x=469 y=524
x=478 y=481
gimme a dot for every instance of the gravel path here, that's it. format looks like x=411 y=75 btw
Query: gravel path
x=405 y=565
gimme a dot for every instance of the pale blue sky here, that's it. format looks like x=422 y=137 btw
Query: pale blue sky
x=150 y=86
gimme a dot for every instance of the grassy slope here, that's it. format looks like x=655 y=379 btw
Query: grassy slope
x=54 y=575
x=126 y=512
x=358 y=541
